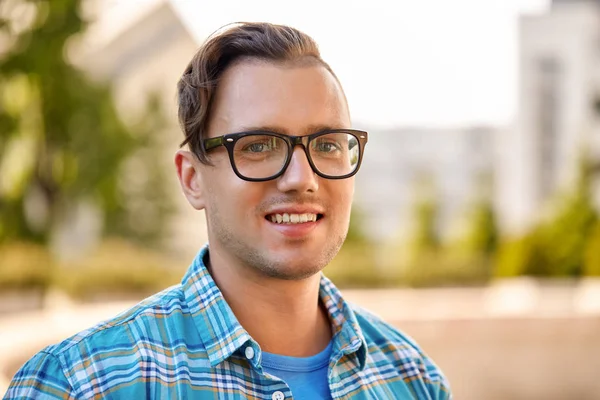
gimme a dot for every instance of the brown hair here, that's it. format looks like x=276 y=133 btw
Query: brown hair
x=262 y=41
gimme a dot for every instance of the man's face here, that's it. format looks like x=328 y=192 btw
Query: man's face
x=293 y=100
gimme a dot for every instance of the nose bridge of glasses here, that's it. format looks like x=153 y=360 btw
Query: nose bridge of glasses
x=299 y=140
x=304 y=161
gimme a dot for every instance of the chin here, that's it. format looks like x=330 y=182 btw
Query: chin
x=292 y=269
x=291 y=274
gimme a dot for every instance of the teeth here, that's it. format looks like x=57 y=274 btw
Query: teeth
x=292 y=218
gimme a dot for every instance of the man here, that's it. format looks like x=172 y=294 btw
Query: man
x=271 y=161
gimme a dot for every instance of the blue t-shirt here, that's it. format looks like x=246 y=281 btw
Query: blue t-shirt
x=306 y=376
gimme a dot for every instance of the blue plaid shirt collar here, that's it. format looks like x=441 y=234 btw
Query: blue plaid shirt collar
x=223 y=335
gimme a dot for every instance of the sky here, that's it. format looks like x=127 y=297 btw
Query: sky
x=431 y=63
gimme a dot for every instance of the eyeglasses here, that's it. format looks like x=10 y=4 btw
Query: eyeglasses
x=258 y=156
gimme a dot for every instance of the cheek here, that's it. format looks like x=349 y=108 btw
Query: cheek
x=342 y=195
x=232 y=198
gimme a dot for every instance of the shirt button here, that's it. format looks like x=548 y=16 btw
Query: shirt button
x=278 y=395
x=249 y=352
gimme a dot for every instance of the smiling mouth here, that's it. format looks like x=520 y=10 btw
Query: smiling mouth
x=287 y=218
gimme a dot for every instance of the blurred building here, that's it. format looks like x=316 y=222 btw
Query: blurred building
x=558 y=115
x=147 y=52
x=143 y=52
x=520 y=168
x=403 y=166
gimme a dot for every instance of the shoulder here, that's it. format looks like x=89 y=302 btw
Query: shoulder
x=152 y=311
x=387 y=344
x=41 y=377
x=140 y=333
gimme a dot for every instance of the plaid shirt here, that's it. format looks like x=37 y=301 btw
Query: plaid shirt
x=185 y=342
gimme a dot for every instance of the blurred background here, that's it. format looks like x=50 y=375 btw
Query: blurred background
x=475 y=226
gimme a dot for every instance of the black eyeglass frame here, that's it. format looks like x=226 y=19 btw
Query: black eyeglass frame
x=230 y=139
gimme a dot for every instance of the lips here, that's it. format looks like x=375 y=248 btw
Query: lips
x=295 y=222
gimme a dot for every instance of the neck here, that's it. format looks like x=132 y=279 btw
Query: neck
x=285 y=317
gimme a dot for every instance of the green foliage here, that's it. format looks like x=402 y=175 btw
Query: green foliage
x=562 y=240
x=556 y=246
x=466 y=260
x=424 y=235
x=115 y=267
x=446 y=268
x=355 y=264
x=356 y=234
x=514 y=257
x=61 y=139
x=145 y=204
x=591 y=263
x=482 y=234
x=354 y=267
x=24 y=266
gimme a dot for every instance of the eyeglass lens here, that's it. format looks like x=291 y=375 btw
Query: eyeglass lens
x=260 y=156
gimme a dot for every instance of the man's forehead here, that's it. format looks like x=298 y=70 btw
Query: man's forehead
x=252 y=70
x=306 y=130
x=261 y=94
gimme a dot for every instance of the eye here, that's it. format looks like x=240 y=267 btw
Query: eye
x=260 y=145
x=326 y=146
x=257 y=147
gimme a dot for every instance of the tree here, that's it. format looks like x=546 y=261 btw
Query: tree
x=592 y=252
x=424 y=236
x=556 y=246
x=562 y=239
x=61 y=139
x=482 y=232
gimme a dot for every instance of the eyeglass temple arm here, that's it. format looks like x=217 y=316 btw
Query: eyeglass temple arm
x=213 y=142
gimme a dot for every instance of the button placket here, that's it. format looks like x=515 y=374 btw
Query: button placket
x=278 y=395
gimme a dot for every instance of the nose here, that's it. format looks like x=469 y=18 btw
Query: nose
x=299 y=176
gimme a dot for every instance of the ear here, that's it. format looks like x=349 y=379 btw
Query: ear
x=190 y=179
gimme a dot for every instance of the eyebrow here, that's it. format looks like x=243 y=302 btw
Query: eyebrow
x=276 y=129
